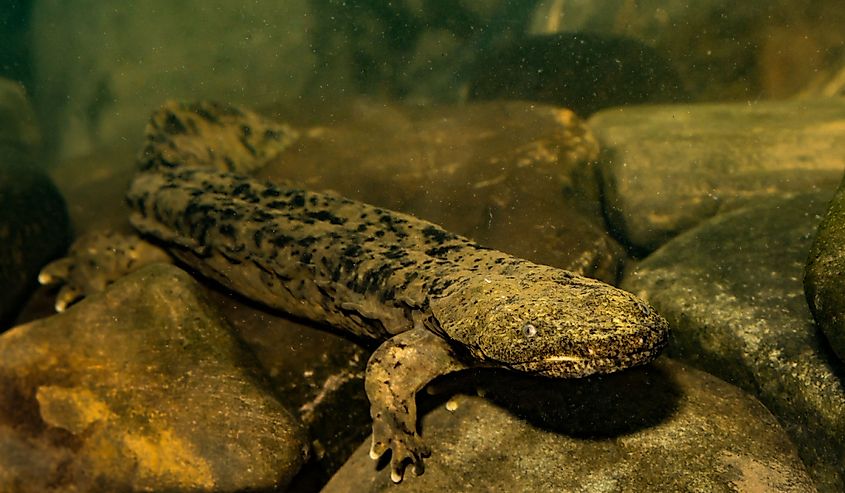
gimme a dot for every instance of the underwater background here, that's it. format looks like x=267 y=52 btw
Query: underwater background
x=689 y=153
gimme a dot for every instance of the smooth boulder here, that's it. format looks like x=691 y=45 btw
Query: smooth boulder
x=140 y=388
x=731 y=290
x=666 y=168
x=825 y=272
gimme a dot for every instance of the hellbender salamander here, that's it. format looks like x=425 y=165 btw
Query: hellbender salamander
x=439 y=301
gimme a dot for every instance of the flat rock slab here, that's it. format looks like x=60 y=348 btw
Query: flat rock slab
x=140 y=388
x=825 y=272
x=665 y=169
x=731 y=290
x=513 y=176
x=661 y=428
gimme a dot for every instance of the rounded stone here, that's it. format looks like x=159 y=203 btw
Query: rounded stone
x=665 y=427
x=140 y=388
x=731 y=290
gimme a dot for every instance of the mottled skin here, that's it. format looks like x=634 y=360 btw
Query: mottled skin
x=439 y=301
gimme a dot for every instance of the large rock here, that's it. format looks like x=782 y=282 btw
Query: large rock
x=722 y=49
x=661 y=428
x=140 y=388
x=731 y=289
x=514 y=176
x=34 y=226
x=667 y=168
x=100 y=69
x=317 y=373
x=825 y=272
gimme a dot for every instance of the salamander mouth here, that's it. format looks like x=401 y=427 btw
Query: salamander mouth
x=574 y=366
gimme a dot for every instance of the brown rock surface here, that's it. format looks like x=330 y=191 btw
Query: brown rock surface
x=316 y=373
x=667 y=168
x=140 y=388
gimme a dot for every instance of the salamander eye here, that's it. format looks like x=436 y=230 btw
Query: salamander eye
x=529 y=330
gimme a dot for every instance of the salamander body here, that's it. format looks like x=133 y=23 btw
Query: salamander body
x=438 y=301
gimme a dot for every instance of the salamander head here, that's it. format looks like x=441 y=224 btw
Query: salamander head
x=551 y=322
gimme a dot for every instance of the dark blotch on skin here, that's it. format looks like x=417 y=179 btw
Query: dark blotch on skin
x=173 y=125
x=437 y=234
x=261 y=217
x=440 y=251
x=227 y=230
x=281 y=241
x=325 y=216
x=277 y=204
x=353 y=251
x=230 y=214
x=242 y=190
x=206 y=115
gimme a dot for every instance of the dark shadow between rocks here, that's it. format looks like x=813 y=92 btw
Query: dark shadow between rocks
x=614 y=218
x=828 y=355
x=18 y=407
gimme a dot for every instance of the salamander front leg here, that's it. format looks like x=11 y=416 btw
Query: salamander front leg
x=96 y=260
x=397 y=370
